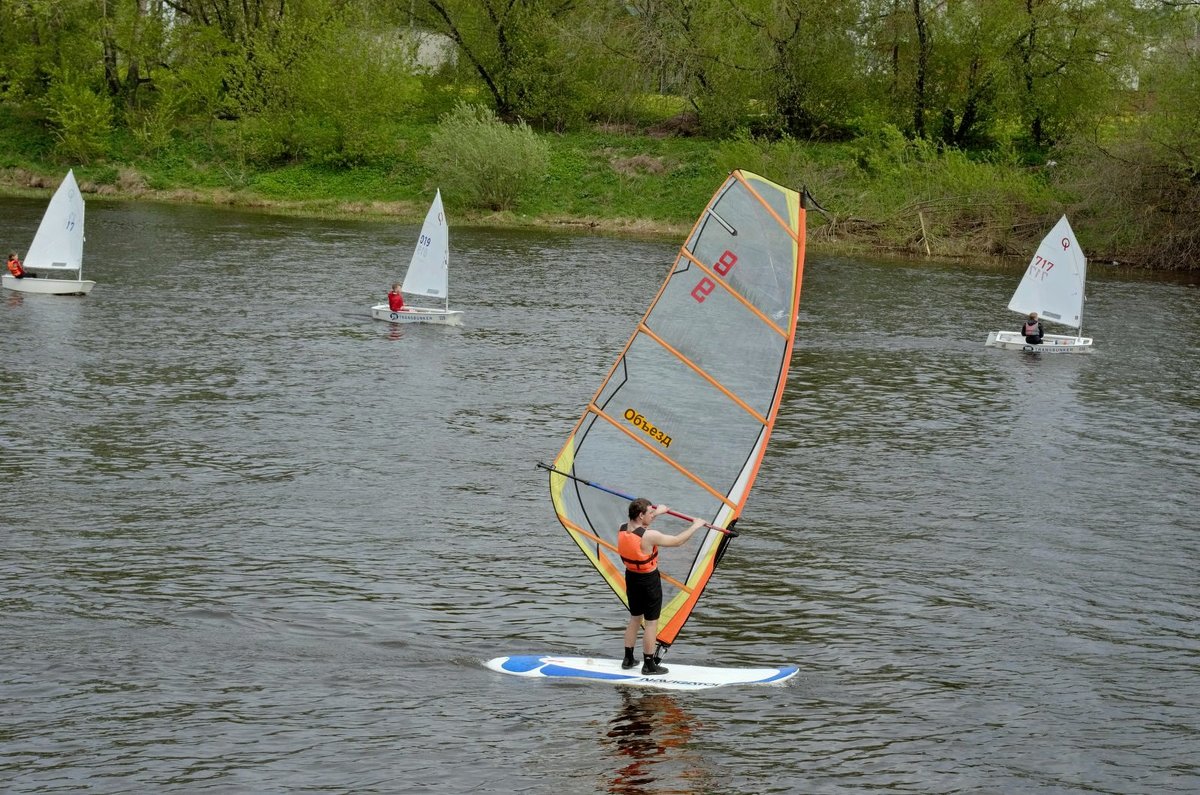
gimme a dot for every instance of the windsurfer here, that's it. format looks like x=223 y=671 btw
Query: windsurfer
x=638 y=546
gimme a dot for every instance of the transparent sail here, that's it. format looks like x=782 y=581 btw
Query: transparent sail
x=684 y=416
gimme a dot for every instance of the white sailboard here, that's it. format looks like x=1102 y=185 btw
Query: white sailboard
x=686 y=412
x=679 y=677
x=428 y=275
x=1053 y=286
x=57 y=247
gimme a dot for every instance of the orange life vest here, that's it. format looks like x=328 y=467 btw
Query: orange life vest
x=14 y=267
x=629 y=546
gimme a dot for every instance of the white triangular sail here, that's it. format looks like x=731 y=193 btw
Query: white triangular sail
x=428 y=271
x=58 y=243
x=1053 y=282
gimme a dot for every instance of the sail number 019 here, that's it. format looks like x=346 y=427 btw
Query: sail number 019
x=722 y=267
x=638 y=421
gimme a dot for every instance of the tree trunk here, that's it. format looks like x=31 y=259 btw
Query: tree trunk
x=919 y=101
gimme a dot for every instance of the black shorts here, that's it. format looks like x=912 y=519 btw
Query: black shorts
x=645 y=594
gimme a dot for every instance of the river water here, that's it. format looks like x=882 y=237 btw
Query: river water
x=255 y=541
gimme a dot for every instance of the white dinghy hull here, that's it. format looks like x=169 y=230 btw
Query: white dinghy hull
x=418 y=314
x=1051 y=343
x=47 y=286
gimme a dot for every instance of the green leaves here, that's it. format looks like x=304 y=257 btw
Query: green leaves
x=82 y=118
x=483 y=162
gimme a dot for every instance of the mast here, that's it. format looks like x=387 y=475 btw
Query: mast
x=1082 y=297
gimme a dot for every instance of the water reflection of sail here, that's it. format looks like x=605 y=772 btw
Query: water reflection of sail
x=651 y=736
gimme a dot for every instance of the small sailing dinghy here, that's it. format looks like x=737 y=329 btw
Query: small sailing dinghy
x=57 y=246
x=685 y=414
x=428 y=275
x=1052 y=287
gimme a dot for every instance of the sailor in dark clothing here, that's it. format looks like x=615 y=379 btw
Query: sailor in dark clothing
x=1032 y=329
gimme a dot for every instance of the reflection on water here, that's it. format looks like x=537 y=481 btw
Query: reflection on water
x=650 y=737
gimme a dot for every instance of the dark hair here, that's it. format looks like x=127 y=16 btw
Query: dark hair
x=637 y=506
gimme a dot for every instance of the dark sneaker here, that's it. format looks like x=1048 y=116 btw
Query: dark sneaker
x=651 y=668
x=628 y=663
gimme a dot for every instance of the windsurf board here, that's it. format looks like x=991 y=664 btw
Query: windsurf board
x=678 y=677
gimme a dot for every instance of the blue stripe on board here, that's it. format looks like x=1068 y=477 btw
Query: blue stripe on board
x=783 y=673
x=522 y=663
x=581 y=673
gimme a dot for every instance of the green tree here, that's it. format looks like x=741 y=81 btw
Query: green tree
x=1139 y=182
x=1073 y=59
x=509 y=44
x=81 y=116
x=813 y=81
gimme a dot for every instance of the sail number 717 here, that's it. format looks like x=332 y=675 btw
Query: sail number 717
x=722 y=267
x=1041 y=266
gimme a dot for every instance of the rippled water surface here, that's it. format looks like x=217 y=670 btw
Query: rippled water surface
x=254 y=541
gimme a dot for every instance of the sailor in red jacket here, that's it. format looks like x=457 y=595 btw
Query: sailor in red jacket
x=638 y=546
x=395 y=299
x=14 y=267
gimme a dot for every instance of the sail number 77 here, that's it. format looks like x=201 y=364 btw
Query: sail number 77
x=722 y=267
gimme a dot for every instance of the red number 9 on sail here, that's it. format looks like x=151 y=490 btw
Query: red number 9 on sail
x=722 y=266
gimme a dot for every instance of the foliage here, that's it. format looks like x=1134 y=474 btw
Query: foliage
x=23 y=136
x=1139 y=186
x=511 y=47
x=82 y=118
x=153 y=124
x=350 y=91
x=904 y=193
x=942 y=112
x=484 y=162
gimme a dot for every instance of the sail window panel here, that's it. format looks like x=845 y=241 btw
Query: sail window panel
x=724 y=338
x=782 y=202
x=610 y=456
x=676 y=412
x=616 y=380
x=763 y=263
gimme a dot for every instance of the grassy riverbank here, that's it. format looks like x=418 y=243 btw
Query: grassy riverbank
x=881 y=194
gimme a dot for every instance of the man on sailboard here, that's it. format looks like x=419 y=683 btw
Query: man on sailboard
x=638 y=546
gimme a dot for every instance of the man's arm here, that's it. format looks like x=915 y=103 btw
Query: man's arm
x=655 y=538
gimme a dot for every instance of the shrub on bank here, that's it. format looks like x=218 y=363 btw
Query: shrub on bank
x=484 y=162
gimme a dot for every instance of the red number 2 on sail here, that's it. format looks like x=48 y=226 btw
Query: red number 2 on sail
x=722 y=266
